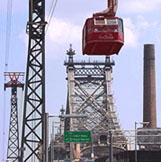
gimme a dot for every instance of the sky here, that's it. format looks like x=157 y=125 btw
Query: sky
x=142 y=25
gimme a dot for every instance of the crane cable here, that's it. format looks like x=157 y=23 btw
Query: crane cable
x=7 y=52
x=51 y=12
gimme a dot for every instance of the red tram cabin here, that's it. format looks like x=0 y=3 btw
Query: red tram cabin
x=102 y=35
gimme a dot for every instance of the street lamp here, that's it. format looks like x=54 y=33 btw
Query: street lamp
x=52 y=155
x=136 y=137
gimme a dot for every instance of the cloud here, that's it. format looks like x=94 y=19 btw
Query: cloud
x=139 y=6
x=24 y=37
x=62 y=32
x=136 y=31
x=142 y=23
x=59 y=35
x=131 y=33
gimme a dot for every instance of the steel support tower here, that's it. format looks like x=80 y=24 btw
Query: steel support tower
x=13 y=138
x=33 y=145
x=90 y=92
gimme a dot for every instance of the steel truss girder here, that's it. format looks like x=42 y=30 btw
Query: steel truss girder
x=89 y=71
x=33 y=136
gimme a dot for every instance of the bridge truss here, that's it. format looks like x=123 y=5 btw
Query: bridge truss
x=90 y=92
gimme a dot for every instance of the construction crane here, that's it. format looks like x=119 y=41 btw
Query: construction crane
x=13 y=137
x=103 y=33
x=33 y=142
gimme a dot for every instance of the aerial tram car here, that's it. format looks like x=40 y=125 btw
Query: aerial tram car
x=103 y=34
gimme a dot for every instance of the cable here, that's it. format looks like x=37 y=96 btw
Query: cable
x=51 y=12
x=8 y=33
x=7 y=48
x=52 y=4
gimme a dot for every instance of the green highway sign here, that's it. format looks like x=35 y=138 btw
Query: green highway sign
x=77 y=136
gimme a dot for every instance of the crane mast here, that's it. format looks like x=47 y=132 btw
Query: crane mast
x=33 y=135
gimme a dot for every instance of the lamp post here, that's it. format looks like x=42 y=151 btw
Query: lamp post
x=52 y=138
x=136 y=137
x=92 y=150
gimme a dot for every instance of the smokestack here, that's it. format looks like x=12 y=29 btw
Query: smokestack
x=149 y=105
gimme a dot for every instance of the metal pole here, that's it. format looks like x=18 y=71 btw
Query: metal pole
x=135 y=142
x=46 y=135
x=52 y=155
x=58 y=154
x=111 y=147
x=52 y=143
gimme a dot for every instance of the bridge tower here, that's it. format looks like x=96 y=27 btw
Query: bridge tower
x=90 y=92
x=33 y=146
x=13 y=138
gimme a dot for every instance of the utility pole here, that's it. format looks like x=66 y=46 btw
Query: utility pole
x=33 y=143
x=13 y=138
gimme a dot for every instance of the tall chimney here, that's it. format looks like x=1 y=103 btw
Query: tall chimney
x=149 y=105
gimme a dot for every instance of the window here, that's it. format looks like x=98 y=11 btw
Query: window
x=103 y=139
x=120 y=23
x=112 y=22
x=99 y=22
x=105 y=21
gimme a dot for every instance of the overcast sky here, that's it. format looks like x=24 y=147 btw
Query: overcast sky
x=142 y=25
